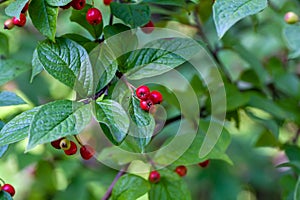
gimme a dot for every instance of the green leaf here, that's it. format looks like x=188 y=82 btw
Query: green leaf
x=18 y=128
x=287 y=184
x=227 y=12
x=111 y=30
x=269 y=106
x=126 y=187
x=292 y=152
x=83 y=41
x=10 y=69
x=291 y=36
x=169 y=187
x=288 y=83
x=133 y=14
x=267 y=139
x=58 y=119
x=297 y=190
x=235 y=99
x=1 y=124
x=111 y=114
x=15 y=8
x=105 y=65
x=142 y=124
x=186 y=145
x=44 y=17
x=233 y=63
x=5 y=196
x=4 y=50
x=58 y=2
x=9 y=98
x=290 y=105
x=269 y=124
x=37 y=66
x=78 y=16
x=3 y=149
x=254 y=62
x=166 y=2
x=120 y=47
x=160 y=56
x=69 y=63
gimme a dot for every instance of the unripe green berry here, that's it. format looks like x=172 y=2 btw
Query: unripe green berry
x=65 y=144
x=291 y=18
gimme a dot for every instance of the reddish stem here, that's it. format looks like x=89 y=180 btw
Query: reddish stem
x=118 y=176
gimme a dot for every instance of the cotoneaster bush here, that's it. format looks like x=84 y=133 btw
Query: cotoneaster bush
x=106 y=100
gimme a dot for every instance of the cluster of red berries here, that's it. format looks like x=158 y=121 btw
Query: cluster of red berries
x=8 y=188
x=147 y=98
x=70 y=148
x=93 y=15
x=21 y=21
x=154 y=176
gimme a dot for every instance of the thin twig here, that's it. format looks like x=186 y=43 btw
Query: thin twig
x=295 y=139
x=101 y=92
x=122 y=77
x=78 y=140
x=150 y=161
x=118 y=176
x=96 y=96
x=111 y=19
x=1 y=180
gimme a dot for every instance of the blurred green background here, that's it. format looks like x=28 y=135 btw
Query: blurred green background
x=45 y=173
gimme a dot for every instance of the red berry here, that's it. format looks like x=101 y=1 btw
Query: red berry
x=78 y=4
x=142 y=92
x=66 y=6
x=93 y=16
x=204 y=163
x=19 y=22
x=181 y=170
x=146 y=105
x=8 y=24
x=107 y=2
x=9 y=189
x=56 y=143
x=25 y=7
x=156 y=97
x=148 y=28
x=72 y=150
x=154 y=177
x=86 y=152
